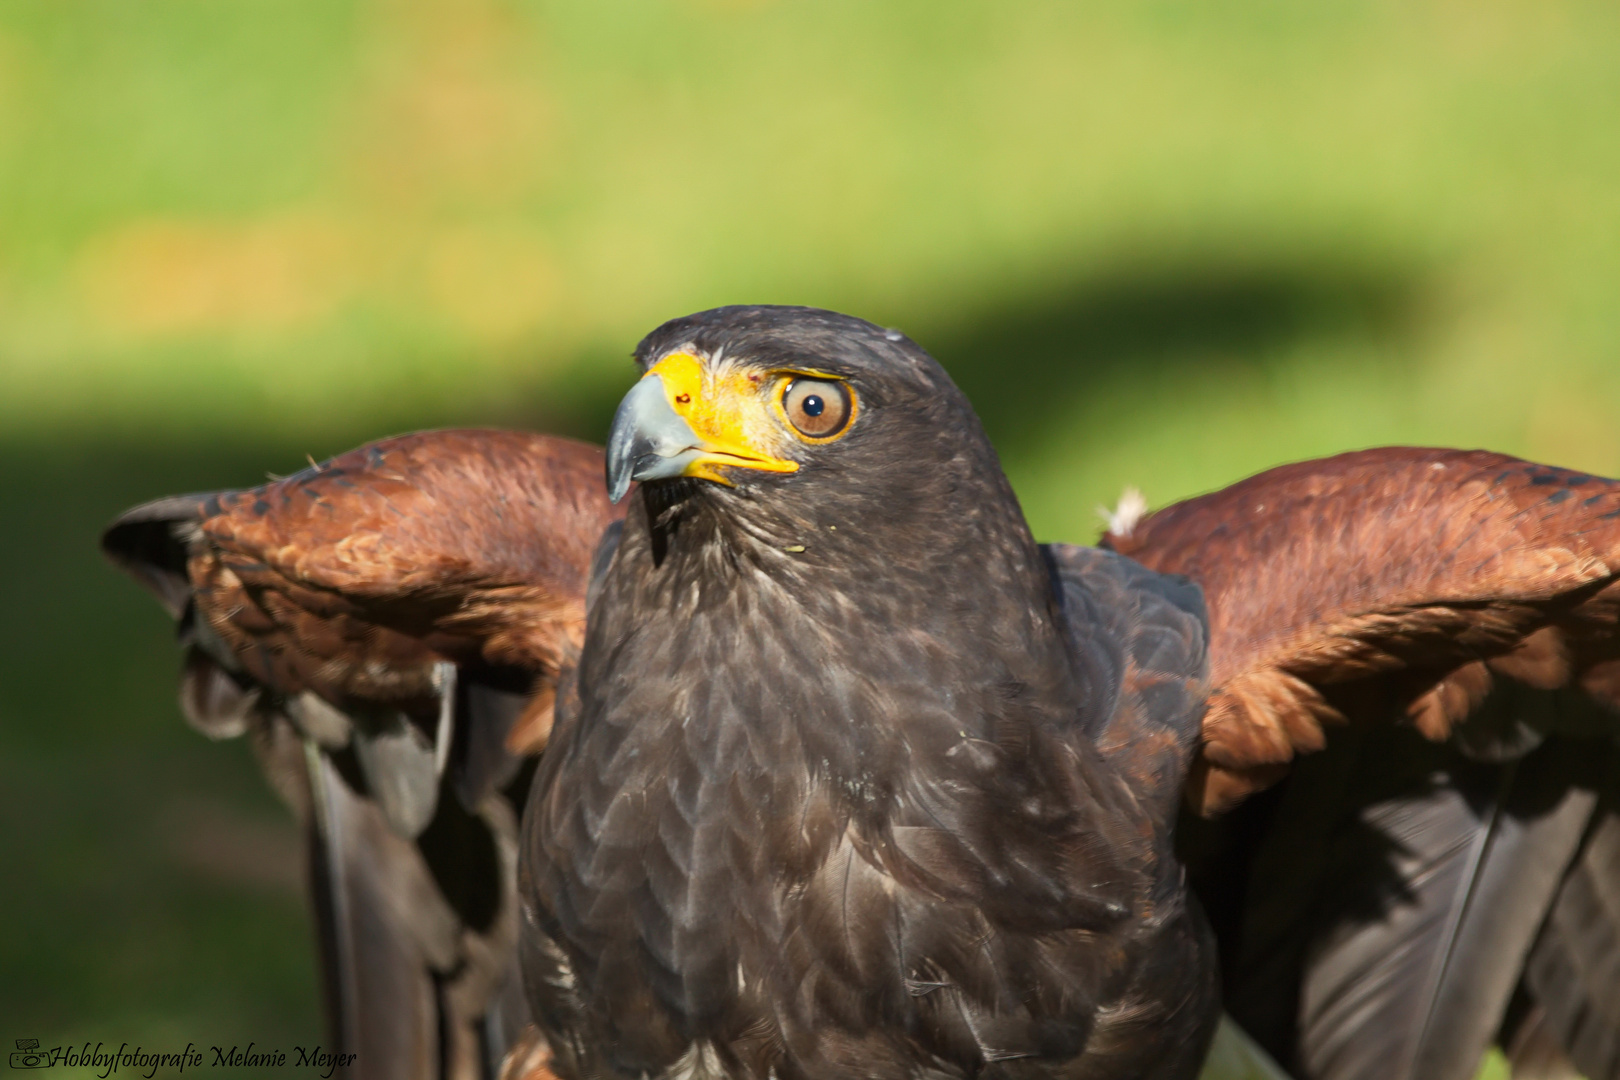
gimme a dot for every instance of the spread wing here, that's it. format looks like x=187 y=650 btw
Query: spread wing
x=388 y=628
x=1422 y=889
x=1384 y=577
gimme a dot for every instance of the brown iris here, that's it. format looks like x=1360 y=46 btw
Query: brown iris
x=818 y=408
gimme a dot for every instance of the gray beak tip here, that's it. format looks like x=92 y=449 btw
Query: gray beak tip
x=648 y=440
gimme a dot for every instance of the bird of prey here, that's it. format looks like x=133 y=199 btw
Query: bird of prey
x=850 y=776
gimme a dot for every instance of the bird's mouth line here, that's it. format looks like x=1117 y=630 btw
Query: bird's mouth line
x=743 y=460
x=693 y=455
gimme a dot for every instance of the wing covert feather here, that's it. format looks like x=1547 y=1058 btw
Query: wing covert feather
x=474 y=543
x=1428 y=568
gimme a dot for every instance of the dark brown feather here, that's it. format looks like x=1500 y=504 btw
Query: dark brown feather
x=1574 y=969
x=856 y=779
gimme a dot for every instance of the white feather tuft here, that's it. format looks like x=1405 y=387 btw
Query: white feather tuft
x=1123 y=518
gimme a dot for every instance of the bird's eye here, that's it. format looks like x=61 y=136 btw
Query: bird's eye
x=818 y=408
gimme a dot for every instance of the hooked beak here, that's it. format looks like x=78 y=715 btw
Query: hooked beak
x=648 y=440
x=651 y=440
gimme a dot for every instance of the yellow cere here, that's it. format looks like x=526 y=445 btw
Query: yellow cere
x=728 y=408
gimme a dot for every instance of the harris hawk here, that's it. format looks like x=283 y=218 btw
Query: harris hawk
x=849 y=776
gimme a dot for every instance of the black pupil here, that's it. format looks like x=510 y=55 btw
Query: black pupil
x=814 y=406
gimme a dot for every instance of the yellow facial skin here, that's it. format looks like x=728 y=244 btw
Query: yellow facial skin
x=736 y=410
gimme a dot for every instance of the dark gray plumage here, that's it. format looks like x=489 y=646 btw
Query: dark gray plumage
x=847 y=790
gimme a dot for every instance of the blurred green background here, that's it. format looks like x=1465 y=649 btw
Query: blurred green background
x=1160 y=243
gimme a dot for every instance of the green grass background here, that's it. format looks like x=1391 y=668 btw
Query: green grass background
x=1159 y=242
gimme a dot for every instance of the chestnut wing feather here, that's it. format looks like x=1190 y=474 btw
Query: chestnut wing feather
x=363 y=621
x=470 y=544
x=1427 y=568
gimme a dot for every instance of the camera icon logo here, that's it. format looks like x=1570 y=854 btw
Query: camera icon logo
x=29 y=1056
